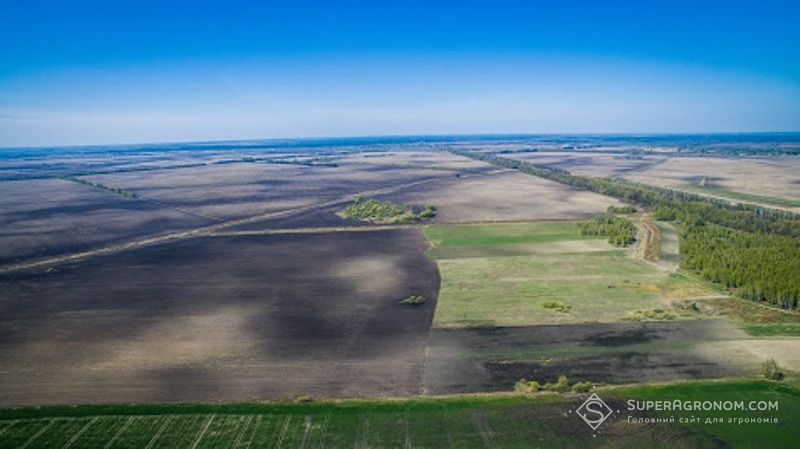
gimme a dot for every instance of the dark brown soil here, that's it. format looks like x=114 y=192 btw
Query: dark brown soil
x=46 y=217
x=493 y=359
x=222 y=318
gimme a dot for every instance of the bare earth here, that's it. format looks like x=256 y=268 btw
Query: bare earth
x=772 y=177
x=503 y=196
x=222 y=318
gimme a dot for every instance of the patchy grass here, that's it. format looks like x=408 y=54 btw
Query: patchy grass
x=444 y=236
x=652 y=315
x=557 y=306
x=756 y=320
x=773 y=330
x=513 y=286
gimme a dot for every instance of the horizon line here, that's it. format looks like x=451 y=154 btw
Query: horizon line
x=244 y=141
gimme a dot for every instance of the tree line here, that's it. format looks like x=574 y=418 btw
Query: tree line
x=668 y=204
x=753 y=250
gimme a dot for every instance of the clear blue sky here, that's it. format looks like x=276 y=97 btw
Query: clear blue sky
x=75 y=72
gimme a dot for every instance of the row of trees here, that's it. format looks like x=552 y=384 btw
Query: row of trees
x=751 y=249
x=620 y=230
x=669 y=204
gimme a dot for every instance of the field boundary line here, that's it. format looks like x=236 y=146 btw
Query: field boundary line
x=158 y=434
x=203 y=430
x=121 y=430
x=38 y=434
x=315 y=230
x=80 y=432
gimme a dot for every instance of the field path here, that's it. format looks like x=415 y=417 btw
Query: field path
x=650 y=237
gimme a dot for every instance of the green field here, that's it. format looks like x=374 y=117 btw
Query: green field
x=504 y=234
x=485 y=421
x=727 y=434
x=773 y=329
x=510 y=274
x=742 y=196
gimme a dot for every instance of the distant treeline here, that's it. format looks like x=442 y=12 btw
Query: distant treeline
x=98 y=185
x=308 y=162
x=751 y=249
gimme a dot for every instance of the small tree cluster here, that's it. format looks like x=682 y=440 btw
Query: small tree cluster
x=620 y=230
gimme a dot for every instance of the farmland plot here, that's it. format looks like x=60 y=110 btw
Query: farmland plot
x=770 y=181
x=44 y=217
x=244 y=189
x=591 y=164
x=233 y=318
x=502 y=195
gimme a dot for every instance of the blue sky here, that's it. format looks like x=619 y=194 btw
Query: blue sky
x=146 y=71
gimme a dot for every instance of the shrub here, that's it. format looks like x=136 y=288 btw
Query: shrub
x=413 y=300
x=562 y=386
x=558 y=307
x=428 y=212
x=581 y=387
x=527 y=386
x=771 y=370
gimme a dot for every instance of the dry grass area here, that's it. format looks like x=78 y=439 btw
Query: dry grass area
x=494 y=275
x=773 y=178
x=753 y=351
